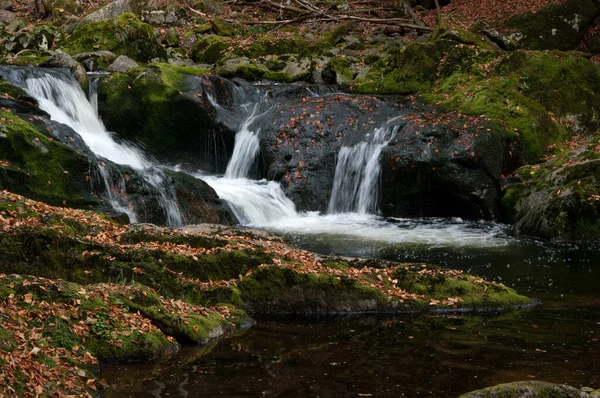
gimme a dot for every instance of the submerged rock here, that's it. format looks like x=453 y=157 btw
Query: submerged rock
x=528 y=389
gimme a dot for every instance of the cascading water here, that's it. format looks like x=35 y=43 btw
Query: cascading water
x=61 y=96
x=357 y=174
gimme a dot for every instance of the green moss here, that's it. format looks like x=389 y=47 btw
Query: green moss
x=282 y=290
x=26 y=58
x=406 y=71
x=473 y=294
x=42 y=169
x=330 y=38
x=210 y=49
x=125 y=35
x=222 y=27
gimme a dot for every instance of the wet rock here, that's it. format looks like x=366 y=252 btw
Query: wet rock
x=527 y=389
x=299 y=149
x=112 y=10
x=122 y=64
x=61 y=59
x=168 y=111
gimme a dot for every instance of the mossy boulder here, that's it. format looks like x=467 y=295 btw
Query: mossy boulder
x=209 y=49
x=124 y=35
x=529 y=389
x=165 y=108
x=558 y=198
x=35 y=165
x=222 y=27
x=554 y=27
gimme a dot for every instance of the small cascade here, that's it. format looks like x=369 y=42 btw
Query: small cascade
x=61 y=96
x=357 y=174
x=245 y=149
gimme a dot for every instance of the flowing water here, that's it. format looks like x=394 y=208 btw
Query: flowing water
x=61 y=96
x=424 y=356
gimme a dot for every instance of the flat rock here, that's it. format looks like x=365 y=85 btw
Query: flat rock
x=122 y=64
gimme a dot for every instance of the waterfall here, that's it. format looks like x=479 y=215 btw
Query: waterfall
x=60 y=95
x=355 y=184
x=245 y=149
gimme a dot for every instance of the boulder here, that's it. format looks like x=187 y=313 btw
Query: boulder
x=40 y=38
x=95 y=60
x=6 y=5
x=527 y=389
x=15 y=26
x=160 y=17
x=166 y=108
x=61 y=59
x=554 y=27
x=7 y=16
x=559 y=197
x=125 y=35
x=113 y=9
x=122 y=64
x=222 y=27
x=172 y=38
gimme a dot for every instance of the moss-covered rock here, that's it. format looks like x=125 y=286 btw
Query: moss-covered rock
x=209 y=49
x=554 y=27
x=533 y=389
x=558 y=198
x=157 y=107
x=125 y=35
x=222 y=27
x=39 y=167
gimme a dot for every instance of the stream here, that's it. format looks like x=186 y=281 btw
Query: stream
x=440 y=355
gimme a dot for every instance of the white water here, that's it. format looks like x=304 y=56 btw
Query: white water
x=66 y=103
x=245 y=149
x=355 y=185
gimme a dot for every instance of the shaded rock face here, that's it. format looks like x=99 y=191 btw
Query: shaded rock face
x=558 y=198
x=527 y=389
x=175 y=121
x=300 y=143
x=431 y=167
x=555 y=27
x=450 y=169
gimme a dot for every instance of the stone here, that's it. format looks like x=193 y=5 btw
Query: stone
x=7 y=16
x=222 y=27
x=14 y=26
x=527 y=389
x=172 y=38
x=111 y=10
x=298 y=69
x=95 y=60
x=555 y=26
x=122 y=64
x=6 y=5
x=61 y=59
x=160 y=17
x=70 y=24
x=40 y=38
x=352 y=43
x=189 y=40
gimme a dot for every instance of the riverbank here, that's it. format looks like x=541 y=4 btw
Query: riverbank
x=101 y=291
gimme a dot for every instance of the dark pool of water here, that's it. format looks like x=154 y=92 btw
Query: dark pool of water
x=426 y=356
